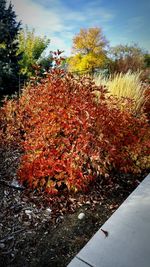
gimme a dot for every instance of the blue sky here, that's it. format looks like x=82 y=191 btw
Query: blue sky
x=122 y=22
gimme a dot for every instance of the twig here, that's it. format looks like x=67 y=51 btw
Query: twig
x=11 y=186
x=10 y=249
x=11 y=236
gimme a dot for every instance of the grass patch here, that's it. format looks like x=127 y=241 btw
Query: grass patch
x=124 y=85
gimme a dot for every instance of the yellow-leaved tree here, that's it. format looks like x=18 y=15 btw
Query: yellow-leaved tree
x=88 y=50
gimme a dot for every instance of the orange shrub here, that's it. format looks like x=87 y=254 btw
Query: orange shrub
x=57 y=135
x=69 y=139
x=125 y=138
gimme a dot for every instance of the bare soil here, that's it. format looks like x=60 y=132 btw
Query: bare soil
x=37 y=230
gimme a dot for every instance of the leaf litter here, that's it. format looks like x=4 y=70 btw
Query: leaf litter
x=40 y=230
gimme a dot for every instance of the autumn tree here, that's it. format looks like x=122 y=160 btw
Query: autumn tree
x=31 y=47
x=125 y=57
x=9 y=66
x=88 y=50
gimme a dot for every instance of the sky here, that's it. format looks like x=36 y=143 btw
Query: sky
x=122 y=21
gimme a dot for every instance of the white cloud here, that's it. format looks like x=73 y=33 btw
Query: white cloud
x=102 y=14
x=57 y=21
x=37 y=16
x=47 y=22
x=95 y=10
x=59 y=43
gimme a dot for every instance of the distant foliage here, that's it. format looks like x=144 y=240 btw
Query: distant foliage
x=147 y=60
x=45 y=63
x=31 y=47
x=68 y=139
x=88 y=49
x=125 y=58
x=86 y=62
x=145 y=76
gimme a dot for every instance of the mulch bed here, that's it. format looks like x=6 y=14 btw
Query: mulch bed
x=38 y=230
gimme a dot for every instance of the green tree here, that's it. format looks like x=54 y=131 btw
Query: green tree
x=89 y=49
x=9 y=67
x=31 y=47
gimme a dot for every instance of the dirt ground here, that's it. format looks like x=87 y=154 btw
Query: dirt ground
x=37 y=230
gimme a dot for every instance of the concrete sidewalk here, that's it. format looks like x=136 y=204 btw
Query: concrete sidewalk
x=128 y=241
